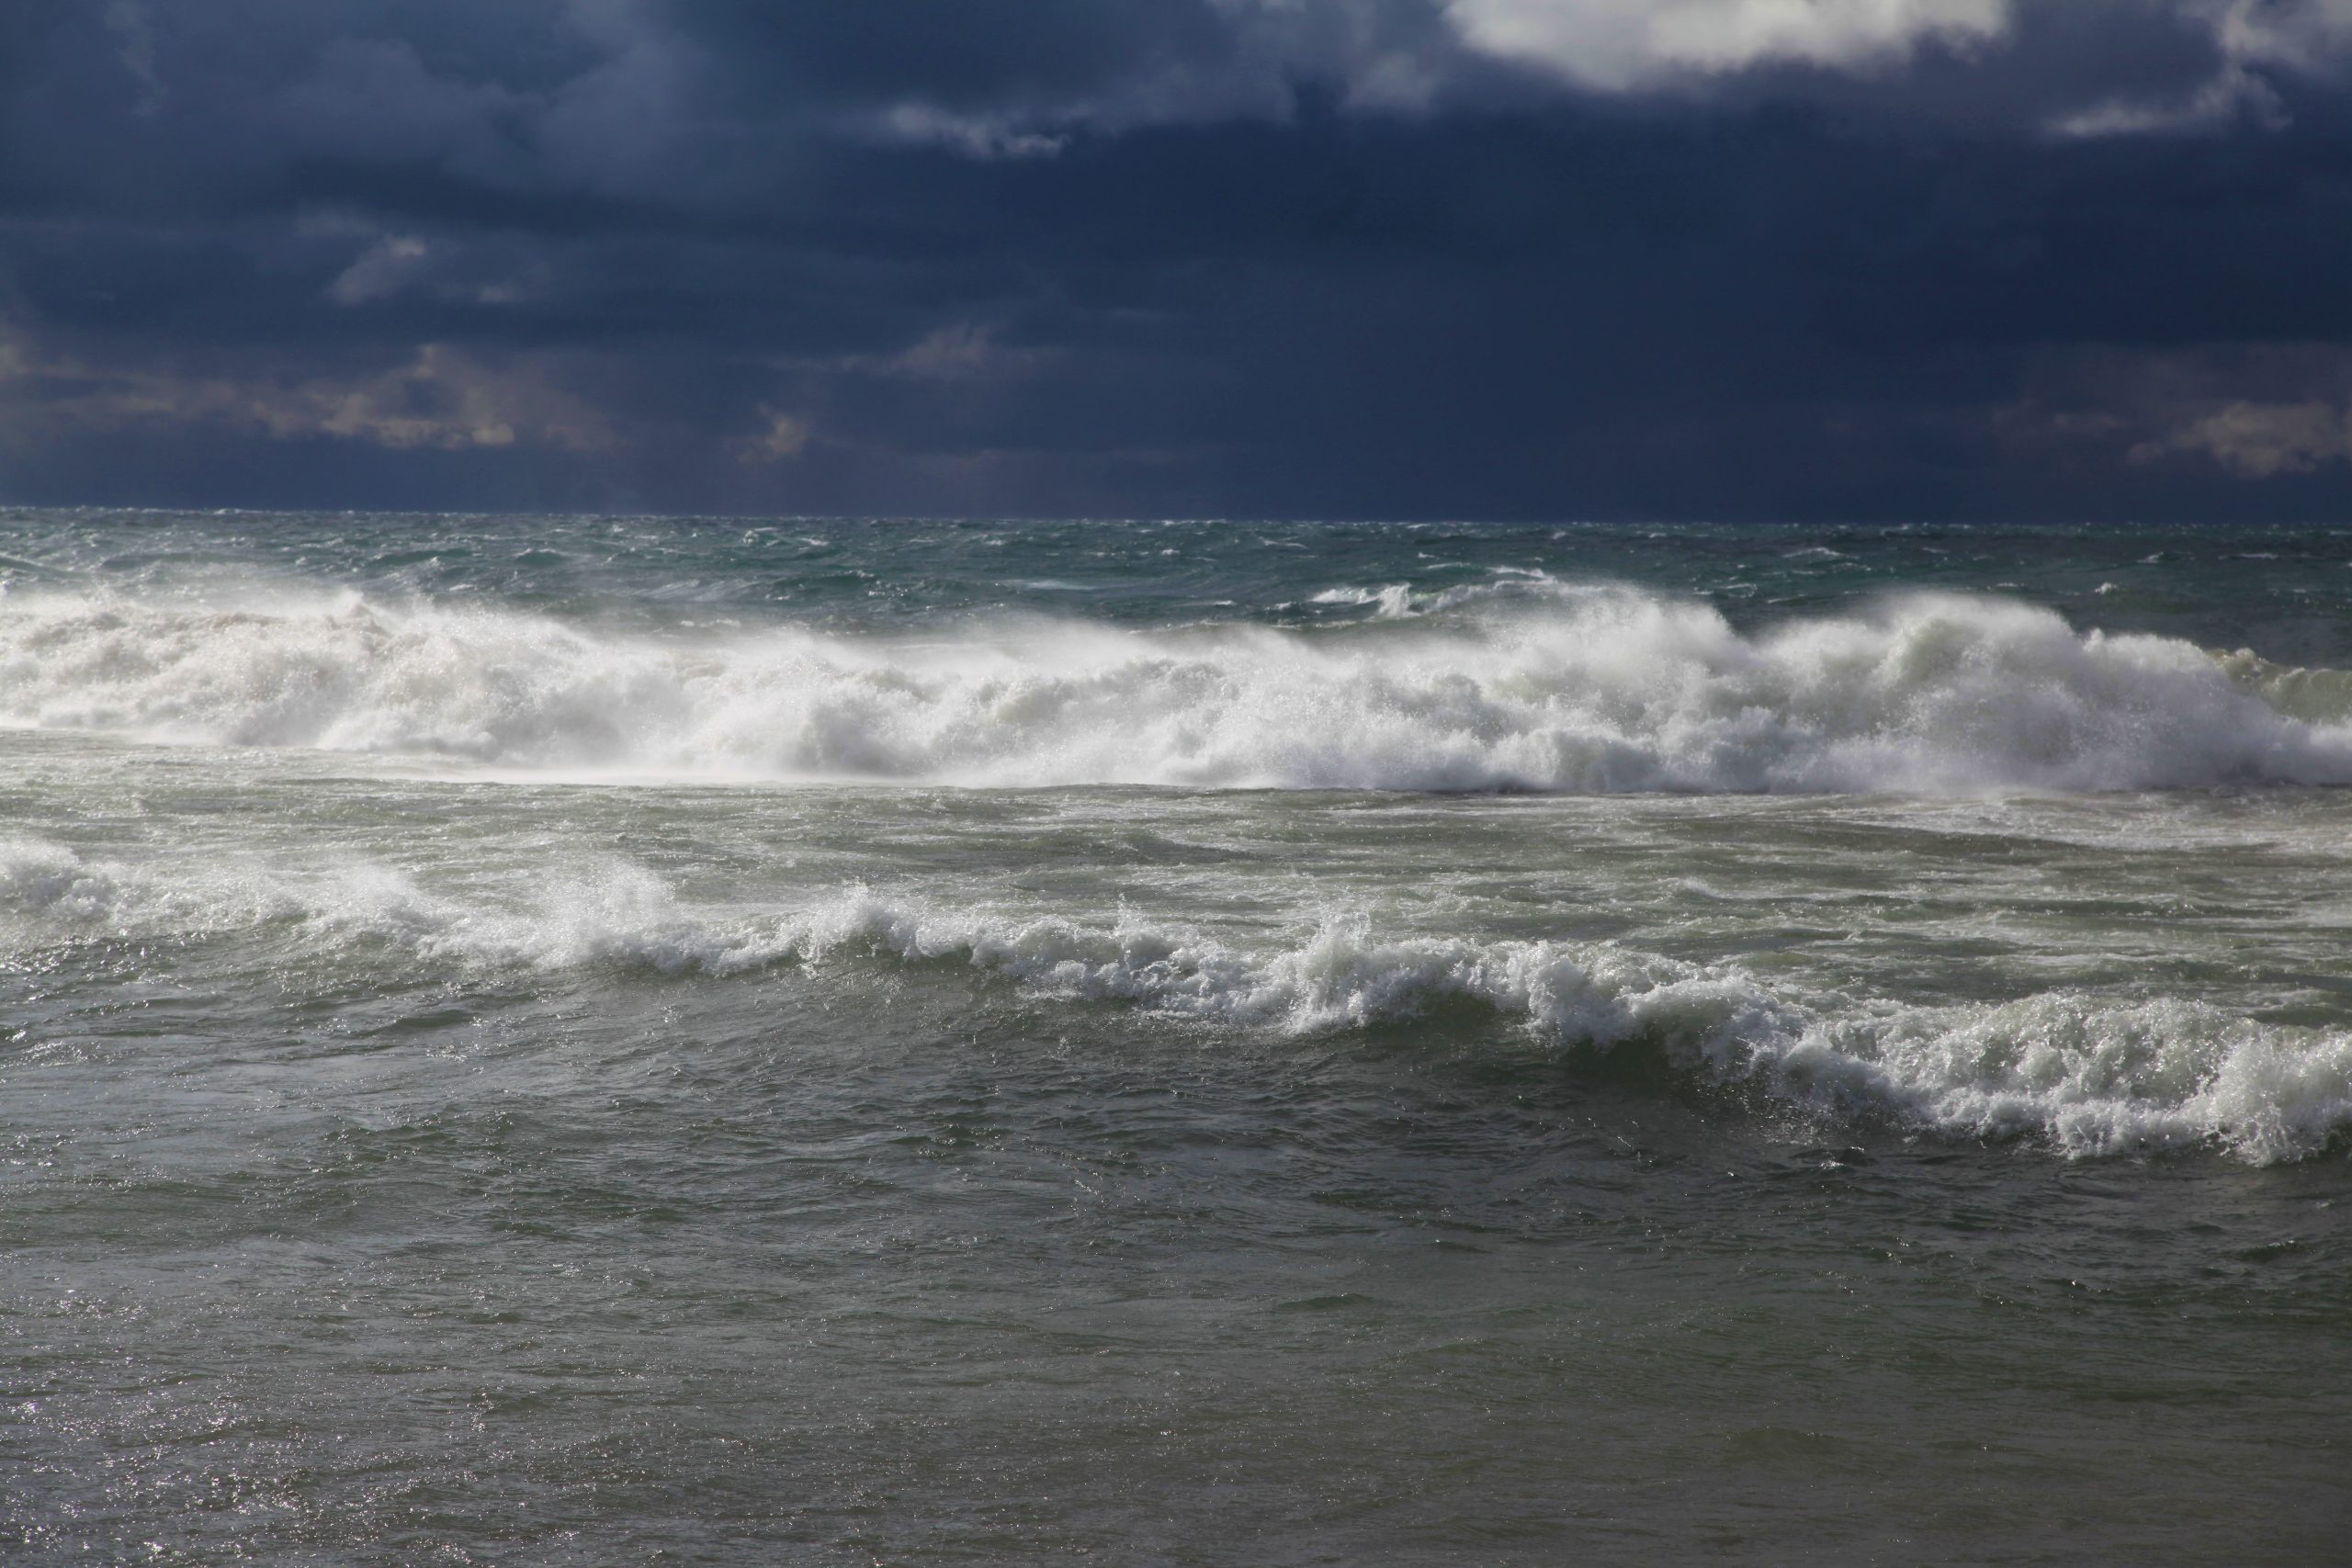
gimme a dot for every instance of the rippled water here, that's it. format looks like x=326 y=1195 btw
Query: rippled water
x=579 y=1040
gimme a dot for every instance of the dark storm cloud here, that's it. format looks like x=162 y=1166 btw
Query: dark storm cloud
x=1327 y=256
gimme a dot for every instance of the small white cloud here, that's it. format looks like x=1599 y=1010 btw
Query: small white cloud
x=985 y=137
x=383 y=269
x=389 y=265
x=950 y=354
x=2234 y=95
x=507 y=291
x=1622 y=44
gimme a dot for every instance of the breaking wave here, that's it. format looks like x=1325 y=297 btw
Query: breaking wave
x=1549 y=688
x=2084 y=1074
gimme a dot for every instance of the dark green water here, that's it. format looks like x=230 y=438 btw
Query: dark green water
x=585 y=1040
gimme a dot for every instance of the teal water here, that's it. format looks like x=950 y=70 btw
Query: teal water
x=537 y=1040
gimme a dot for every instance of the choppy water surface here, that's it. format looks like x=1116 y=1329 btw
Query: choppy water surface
x=603 y=1040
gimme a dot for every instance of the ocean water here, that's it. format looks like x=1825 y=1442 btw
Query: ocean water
x=590 y=1040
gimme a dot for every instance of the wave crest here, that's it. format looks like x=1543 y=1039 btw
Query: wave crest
x=1575 y=690
x=2086 y=1075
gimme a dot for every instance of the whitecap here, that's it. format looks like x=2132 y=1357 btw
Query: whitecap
x=1508 y=684
x=2083 y=1074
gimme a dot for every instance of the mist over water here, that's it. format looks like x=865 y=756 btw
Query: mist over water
x=561 y=1039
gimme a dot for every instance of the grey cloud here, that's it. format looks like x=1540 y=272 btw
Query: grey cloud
x=2305 y=35
x=439 y=396
x=781 y=436
x=1705 y=257
x=2263 y=440
x=2254 y=411
x=375 y=98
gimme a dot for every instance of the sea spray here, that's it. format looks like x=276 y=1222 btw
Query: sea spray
x=1572 y=689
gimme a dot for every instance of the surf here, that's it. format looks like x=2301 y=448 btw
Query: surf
x=2082 y=1074
x=1541 y=686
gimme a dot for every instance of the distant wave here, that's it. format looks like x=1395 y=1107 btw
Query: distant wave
x=1539 y=686
x=2087 y=1076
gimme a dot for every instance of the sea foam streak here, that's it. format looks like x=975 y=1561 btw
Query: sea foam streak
x=2086 y=1075
x=1569 y=690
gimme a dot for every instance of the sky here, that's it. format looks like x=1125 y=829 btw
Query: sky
x=1807 y=260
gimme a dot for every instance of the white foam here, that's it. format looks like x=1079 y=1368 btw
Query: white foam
x=598 y=912
x=2322 y=696
x=1515 y=684
x=2086 y=1074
